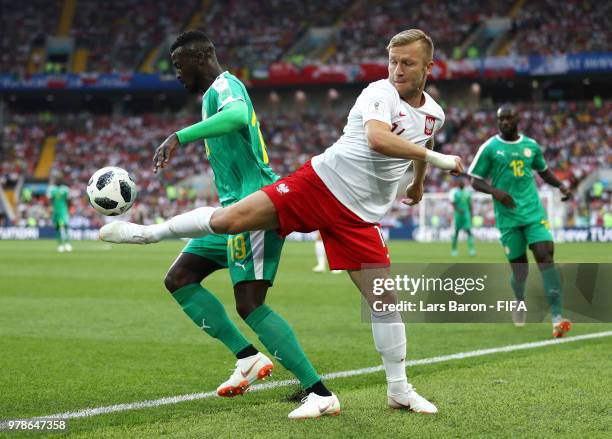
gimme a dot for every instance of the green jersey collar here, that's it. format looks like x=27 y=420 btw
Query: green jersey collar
x=513 y=142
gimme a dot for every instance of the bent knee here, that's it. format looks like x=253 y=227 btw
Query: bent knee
x=244 y=308
x=544 y=257
x=176 y=279
x=222 y=221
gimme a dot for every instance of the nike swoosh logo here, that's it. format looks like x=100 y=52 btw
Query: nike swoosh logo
x=244 y=374
x=399 y=403
x=324 y=409
x=402 y=115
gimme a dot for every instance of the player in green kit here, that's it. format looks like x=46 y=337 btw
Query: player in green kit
x=461 y=198
x=58 y=195
x=237 y=154
x=507 y=159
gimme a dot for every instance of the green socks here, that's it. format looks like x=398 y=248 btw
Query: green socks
x=454 y=242
x=61 y=235
x=274 y=332
x=518 y=287
x=552 y=287
x=470 y=243
x=209 y=314
x=278 y=337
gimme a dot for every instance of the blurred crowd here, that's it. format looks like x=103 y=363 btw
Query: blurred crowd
x=120 y=35
x=547 y=27
x=256 y=34
x=575 y=138
x=29 y=27
x=360 y=33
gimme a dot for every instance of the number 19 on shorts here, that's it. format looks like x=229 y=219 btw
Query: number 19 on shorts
x=237 y=247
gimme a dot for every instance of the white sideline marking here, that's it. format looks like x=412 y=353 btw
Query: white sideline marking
x=345 y=374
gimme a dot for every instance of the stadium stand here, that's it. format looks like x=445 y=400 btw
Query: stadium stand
x=29 y=27
x=575 y=137
x=119 y=35
x=128 y=35
x=122 y=35
x=359 y=35
x=256 y=34
x=546 y=28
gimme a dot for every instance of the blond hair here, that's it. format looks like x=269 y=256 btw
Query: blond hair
x=410 y=36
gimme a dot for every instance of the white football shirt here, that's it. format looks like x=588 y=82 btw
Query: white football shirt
x=363 y=180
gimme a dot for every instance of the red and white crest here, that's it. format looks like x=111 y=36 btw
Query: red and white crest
x=430 y=122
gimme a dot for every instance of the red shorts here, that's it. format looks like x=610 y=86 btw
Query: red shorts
x=304 y=204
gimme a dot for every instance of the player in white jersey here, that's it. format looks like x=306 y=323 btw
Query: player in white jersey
x=343 y=194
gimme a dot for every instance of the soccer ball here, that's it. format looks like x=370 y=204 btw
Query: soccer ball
x=111 y=191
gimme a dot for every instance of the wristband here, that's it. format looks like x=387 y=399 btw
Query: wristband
x=441 y=161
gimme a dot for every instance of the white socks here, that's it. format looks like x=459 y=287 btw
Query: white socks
x=390 y=340
x=193 y=224
x=320 y=252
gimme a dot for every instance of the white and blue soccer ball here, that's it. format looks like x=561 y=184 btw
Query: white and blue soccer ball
x=111 y=191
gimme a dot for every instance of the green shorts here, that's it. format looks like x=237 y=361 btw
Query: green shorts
x=516 y=239
x=463 y=222
x=249 y=255
x=60 y=220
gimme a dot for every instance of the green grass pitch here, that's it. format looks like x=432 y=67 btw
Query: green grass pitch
x=96 y=327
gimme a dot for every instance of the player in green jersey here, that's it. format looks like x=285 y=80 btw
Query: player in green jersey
x=507 y=159
x=461 y=198
x=237 y=154
x=58 y=195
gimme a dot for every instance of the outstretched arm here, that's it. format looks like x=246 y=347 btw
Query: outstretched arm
x=382 y=140
x=503 y=197
x=231 y=118
x=549 y=177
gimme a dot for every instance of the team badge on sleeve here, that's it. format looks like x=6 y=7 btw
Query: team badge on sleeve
x=430 y=122
x=377 y=107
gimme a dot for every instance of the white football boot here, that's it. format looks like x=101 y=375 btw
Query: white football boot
x=60 y=248
x=318 y=268
x=410 y=400
x=315 y=406
x=68 y=247
x=519 y=317
x=122 y=232
x=248 y=370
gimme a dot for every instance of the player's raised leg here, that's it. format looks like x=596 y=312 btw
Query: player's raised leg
x=255 y=212
x=389 y=334
x=543 y=251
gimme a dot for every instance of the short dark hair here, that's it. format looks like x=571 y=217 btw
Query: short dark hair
x=507 y=107
x=191 y=36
